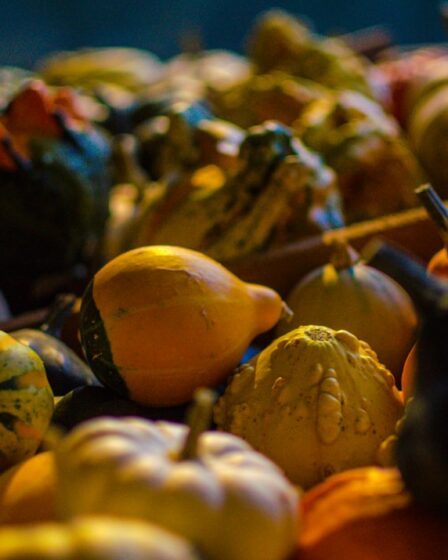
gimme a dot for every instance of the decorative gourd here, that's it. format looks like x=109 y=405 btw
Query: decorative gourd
x=316 y=401
x=85 y=403
x=158 y=322
x=93 y=538
x=423 y=440
x=26 y=401
x=27 y=491
x=212 y=488
x=438 y=266
x=438 y=212
x=65 y=370
x=54 y=183
x=346 y=294
x=366 y=514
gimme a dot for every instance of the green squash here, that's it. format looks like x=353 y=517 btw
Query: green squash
x=54 y=185
x=65 y=370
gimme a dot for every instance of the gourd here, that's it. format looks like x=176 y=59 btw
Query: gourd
x=54 y=181
x=315 y=401
x=347 y=294
x=367 y=513
x=26 y=401
x=65 y=370
x=93 y=538
x=211 y=487
x=422 y=440
x=157 y=322
x=87 y=402
x=27 y=491
x=438 y=265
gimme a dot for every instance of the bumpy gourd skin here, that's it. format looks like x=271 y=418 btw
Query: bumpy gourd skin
x=316 y=401
x=26 y=401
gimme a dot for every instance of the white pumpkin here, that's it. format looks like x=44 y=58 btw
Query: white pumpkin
x=229 y=500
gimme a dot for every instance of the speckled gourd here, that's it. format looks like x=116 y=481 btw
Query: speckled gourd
x=26 y=401
x=316 y=401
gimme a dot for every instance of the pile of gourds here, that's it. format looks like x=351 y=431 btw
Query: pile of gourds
x=164 y=438
x=308 y=413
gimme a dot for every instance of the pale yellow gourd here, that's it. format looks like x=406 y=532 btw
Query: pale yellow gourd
x=316 y=401
x=230 y=501
x=93 y=538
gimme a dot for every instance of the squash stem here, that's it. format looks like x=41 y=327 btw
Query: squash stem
x=57 y=315
x=342 y=256
x=436 y=209
x=199 y=419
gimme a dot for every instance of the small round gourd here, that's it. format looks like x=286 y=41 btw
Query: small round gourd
x=26 y=401
x=93 y=538
x=158 y=322
x=316 y=401
x=349 y=295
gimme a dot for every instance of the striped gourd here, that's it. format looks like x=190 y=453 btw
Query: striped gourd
x=26 y=401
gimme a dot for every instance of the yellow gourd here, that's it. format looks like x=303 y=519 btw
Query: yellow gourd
x=158 y=322
x=93 y=538
x=346 y=294
x=27 y=491
x=316 y=401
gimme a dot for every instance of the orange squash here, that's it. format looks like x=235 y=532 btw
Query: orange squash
x=27 y=491
x=158 y=322
x=365 y=514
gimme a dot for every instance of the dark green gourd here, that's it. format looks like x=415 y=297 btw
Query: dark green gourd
x=65 y=370
x=54 y=188
x=422 y=447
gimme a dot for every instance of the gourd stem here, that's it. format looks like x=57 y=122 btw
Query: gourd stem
x=436 y=209
x=199 y=419
x=429 y=294
x=57 y=315
x=342 y=256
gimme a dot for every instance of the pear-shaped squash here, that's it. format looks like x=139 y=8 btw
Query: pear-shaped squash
x=158 y=322
x=26 y=401
x=346 y=294
x=316 y=401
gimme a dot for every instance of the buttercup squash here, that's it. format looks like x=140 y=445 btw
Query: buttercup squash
x=158 y=322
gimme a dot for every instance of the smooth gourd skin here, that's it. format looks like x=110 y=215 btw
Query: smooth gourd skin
x=87 y=402
x=26 y=401
x=363 y=301
x=27 y=491
x=65 y=370
x=367 y=513
x=93 y=538
x=315 y=401
x=158 y=322
x=232 y=502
